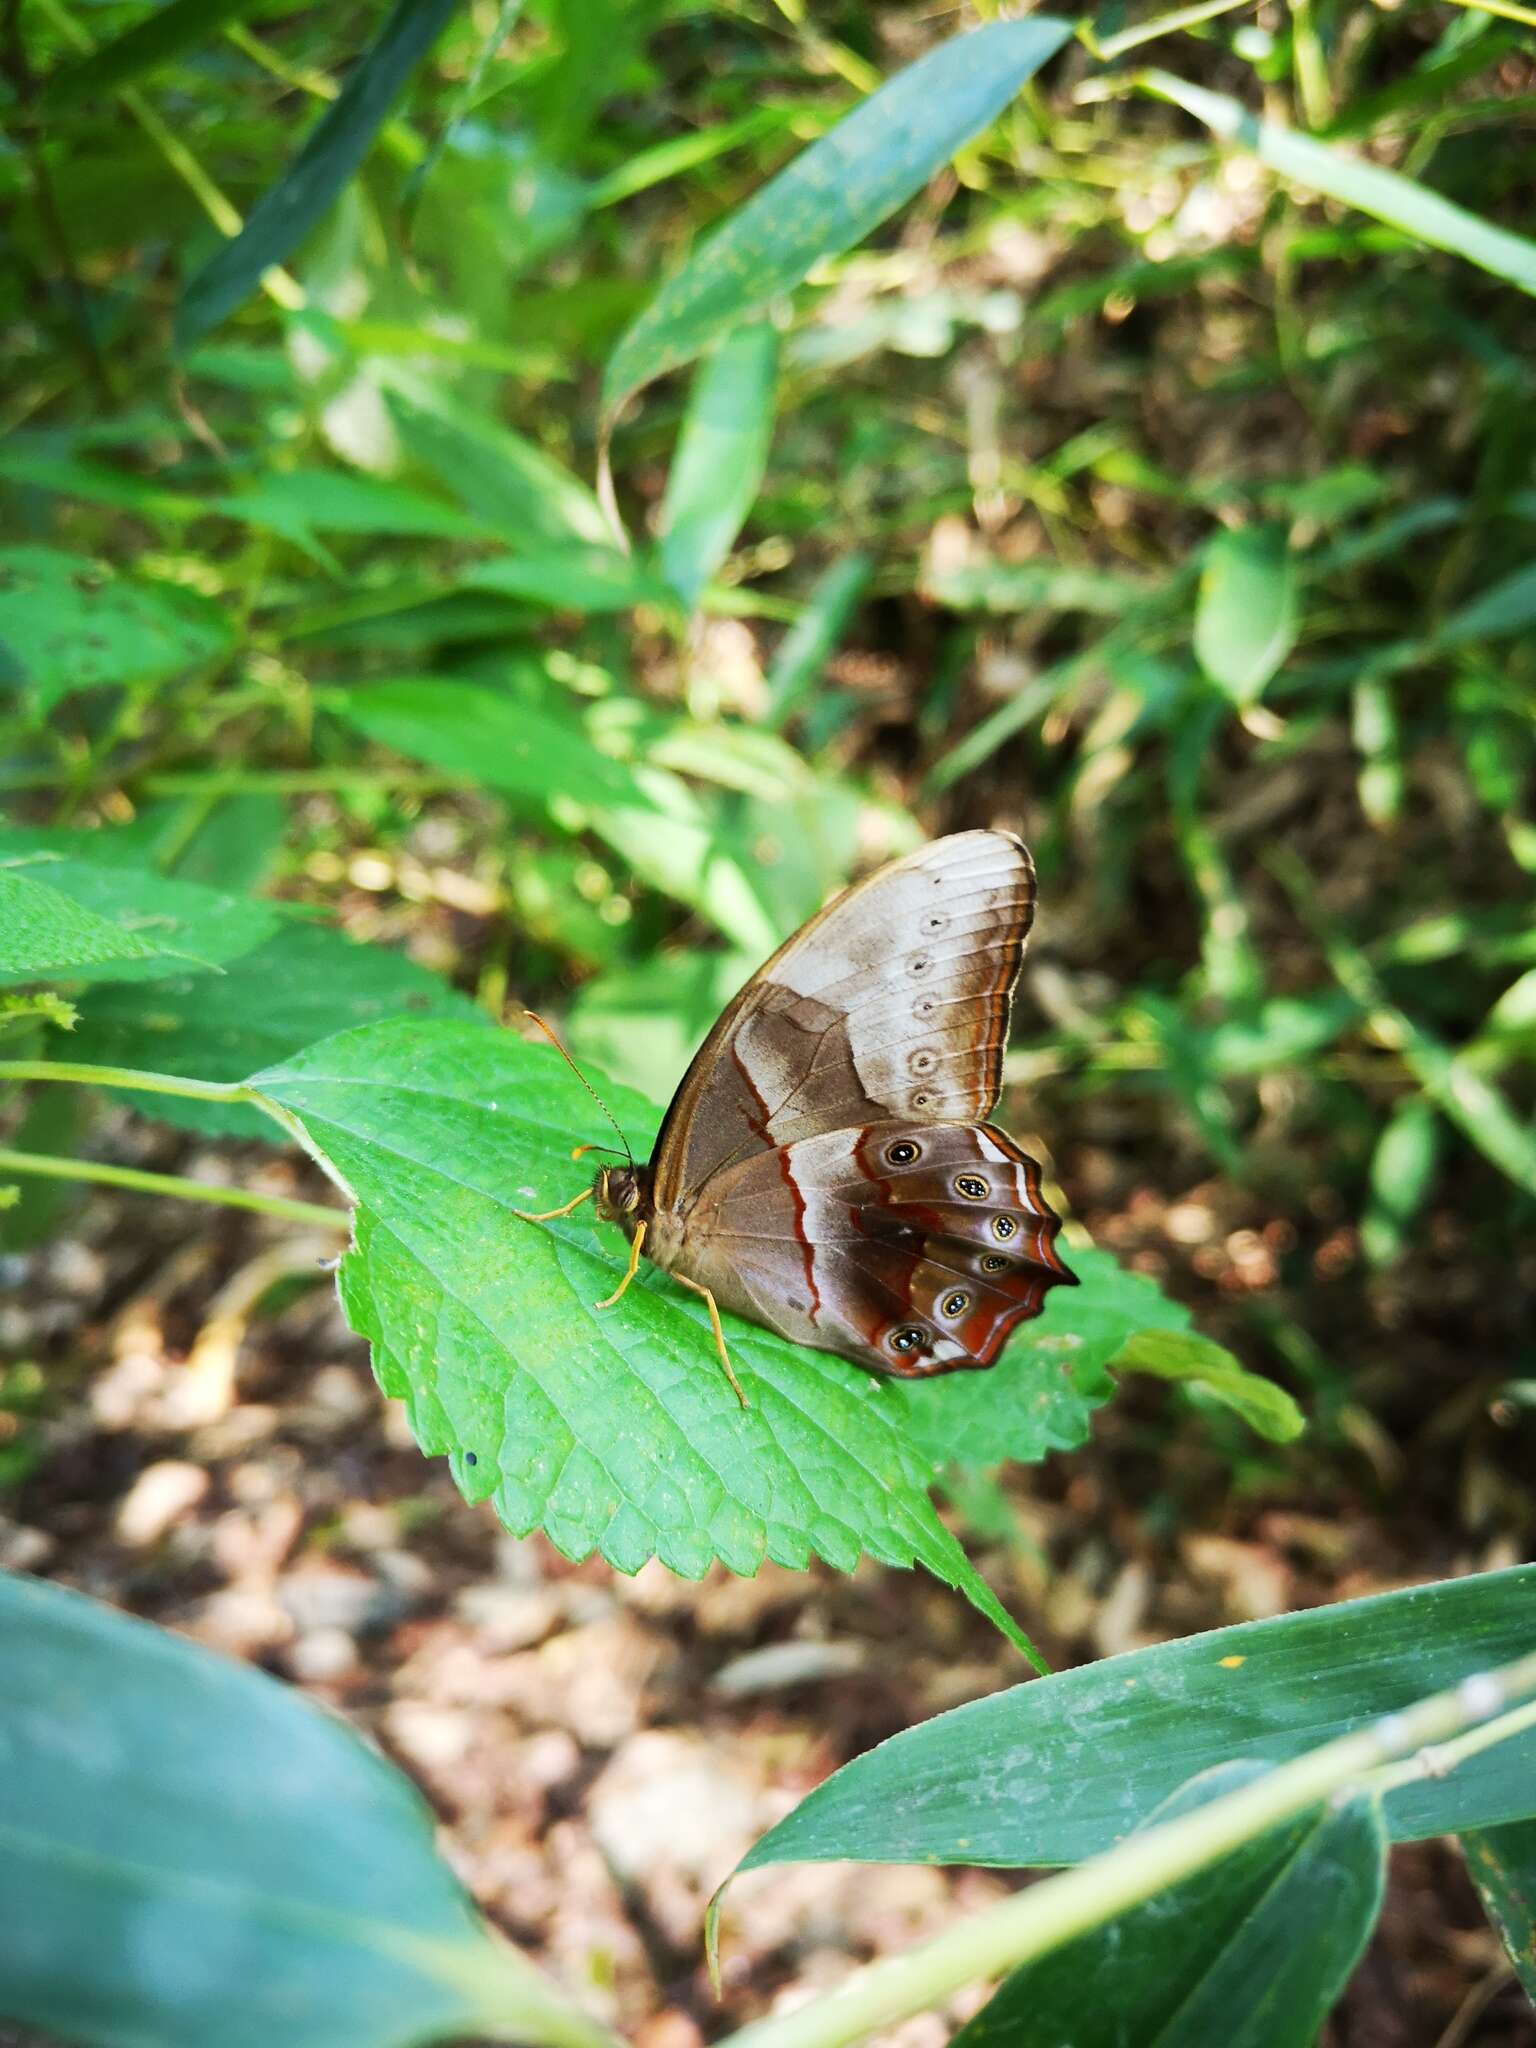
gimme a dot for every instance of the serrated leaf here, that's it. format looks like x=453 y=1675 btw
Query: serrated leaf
x=303 y=195
x=1502 y=1862
x=73 y=920
x=614 y=1430
x=72 y=624
x=44 y=932
x=832 y=195
x=1245 y=620
x=1043 y=1395
x=194 y=1853
x=304 y=983
x=983 y=1784
x=1248 y=1953
x=1182 y=1355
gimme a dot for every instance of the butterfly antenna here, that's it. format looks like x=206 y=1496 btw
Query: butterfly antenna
x=581 y=1077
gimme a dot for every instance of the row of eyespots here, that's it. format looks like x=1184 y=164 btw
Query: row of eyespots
x=913 y=1337
x=971 y=1186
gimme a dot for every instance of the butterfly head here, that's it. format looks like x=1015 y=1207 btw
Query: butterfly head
x=620 y=1193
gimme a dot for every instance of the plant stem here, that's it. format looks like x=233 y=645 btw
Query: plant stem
x=1061 y=1908
x=1165 y=24
x=127 y=1077
x=161 y=1084
x=48 y=1168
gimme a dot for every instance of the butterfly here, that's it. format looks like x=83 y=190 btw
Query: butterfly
x=826 y=1168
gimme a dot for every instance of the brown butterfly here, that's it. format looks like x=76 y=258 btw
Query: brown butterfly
x=826 y=1169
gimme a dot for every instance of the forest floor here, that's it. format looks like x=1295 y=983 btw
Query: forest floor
x=601 y=1750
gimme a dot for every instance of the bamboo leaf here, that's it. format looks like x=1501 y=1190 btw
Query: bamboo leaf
x=832 y=195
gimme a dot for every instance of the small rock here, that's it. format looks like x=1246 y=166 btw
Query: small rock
x=23 y=1549
x=509 y=1617
x=321 y=1657
x=777 y=1666
x=674 y=1799
x=242 y=1620
x=161 y=1495
x=316 y=1596
x=430 y=1737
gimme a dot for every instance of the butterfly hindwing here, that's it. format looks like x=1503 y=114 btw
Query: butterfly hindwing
x=915 y=1249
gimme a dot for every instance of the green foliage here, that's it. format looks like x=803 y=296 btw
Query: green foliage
x=304 y=194
x=195 y=1854
x=68 y=623
x=832 y=196
x=616 y=1430
x=1502 y=1862
x=1251 y=1953
x=1125 y=1734
x=930 y=540
x=1245 y=622
x=298 y=986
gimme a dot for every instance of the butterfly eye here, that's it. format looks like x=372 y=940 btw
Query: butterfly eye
x=1004 y=1226
x=908 y=1338
x=994 y=1262
x=955 y=1304
x=972 y=1186
x=902 y=1153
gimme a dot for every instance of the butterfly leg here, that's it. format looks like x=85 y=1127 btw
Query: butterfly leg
x=634 y=1266
x=549 y=1215
x=698 y=1287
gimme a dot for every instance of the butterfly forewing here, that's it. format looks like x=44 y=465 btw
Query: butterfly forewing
x=893 y=1001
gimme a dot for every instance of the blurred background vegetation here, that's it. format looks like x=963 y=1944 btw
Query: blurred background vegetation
x=1118 y=491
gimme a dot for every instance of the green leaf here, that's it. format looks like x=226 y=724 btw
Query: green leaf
x=44 y=932
x=643 y=1022
x=811 y=641
x=494 y=740
x=722 y=452
x=540 y=754
x=161 y=35
x=304 y=194
x=612 y=1430
x=1508 y=607
x=983 y=1784
x=1181 y=1355
x=1502 y=1862
x=832 y=195
x=120 y=924
x=196 y=1854
x=1245 y=619
x=1249 y=1953
x=1007 y=587
x=573 y=579
x=72 y=624
x=301 y=502
x=1054 y=1375
x=302 y=984
x=1402 y=1174
x=1384 y=194
x=499 y=476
